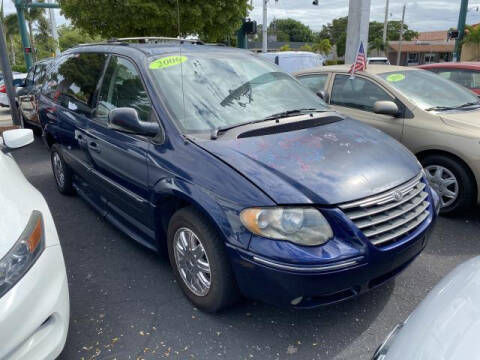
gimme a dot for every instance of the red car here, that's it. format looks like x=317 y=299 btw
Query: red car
x=464 y=73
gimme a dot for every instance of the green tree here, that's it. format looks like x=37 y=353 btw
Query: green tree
x=306 y=47
x=212 y=20
x=322 y=46
x=285 y=47
x=69 y=36
x=290 y=30
x=376 y=45
x=335 y=30
x=472 y=37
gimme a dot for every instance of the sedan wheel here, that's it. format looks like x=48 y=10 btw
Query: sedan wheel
x=444 y=182
x=192 y=261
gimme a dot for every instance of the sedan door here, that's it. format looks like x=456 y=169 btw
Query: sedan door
x=356 y=98
x=119 y=158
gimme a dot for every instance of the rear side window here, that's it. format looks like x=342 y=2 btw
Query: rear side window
x=71 y=81
x=356 y=93
x=123 y=87
x=314 y=82
x=29 y=78
x=80 y=74
x=53 y=79
x=39 y=75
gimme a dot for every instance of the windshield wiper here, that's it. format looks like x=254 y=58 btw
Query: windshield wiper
x=280 y=115
x=467 y=105
x=440 y=108
x=445 y=108
x=288 y=113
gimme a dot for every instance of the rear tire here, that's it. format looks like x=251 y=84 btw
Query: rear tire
x=452 y=181
x=211 y=290
x=62 y=173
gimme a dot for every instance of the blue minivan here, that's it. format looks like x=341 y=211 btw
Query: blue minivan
x=245 y=177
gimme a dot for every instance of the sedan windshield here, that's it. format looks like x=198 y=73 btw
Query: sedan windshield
x=224 y=89
x=429 y=91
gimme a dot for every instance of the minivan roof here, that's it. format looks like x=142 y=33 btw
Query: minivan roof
x=151 y=48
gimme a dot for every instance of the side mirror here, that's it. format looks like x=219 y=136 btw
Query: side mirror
x=385 y=108
x=322 y=94
x=127 y=120
x=17 y=138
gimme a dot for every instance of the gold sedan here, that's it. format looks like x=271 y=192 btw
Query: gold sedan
x=436 y=119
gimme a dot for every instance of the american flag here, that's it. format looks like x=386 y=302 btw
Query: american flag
x=360 y=63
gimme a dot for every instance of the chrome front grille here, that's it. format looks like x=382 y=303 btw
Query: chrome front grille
x=389 y=216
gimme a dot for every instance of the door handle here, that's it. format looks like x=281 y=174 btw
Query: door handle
x=93 y=146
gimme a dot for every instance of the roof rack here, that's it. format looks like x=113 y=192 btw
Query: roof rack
x=153 y=40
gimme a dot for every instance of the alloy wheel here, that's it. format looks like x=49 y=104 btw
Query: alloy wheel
x=192 y=261
x=58 y=169
x=444 y=182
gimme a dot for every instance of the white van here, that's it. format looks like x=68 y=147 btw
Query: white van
x=292 y=61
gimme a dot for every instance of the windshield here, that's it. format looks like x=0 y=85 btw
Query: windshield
x=224 y=89
x=428 y=90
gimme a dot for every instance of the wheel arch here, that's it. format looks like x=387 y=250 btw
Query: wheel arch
x=423 y=154
x=170 y=200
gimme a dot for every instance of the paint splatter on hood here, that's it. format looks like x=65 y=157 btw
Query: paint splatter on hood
x=330 y=164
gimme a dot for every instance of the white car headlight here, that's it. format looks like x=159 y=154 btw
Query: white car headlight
x=23 y=254
x=300 y=225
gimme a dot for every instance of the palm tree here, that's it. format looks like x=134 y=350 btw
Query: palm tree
x=472 y=37
x=377 y=45
x=322 y=46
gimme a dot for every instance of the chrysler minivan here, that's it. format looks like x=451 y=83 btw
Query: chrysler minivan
x=247 y=179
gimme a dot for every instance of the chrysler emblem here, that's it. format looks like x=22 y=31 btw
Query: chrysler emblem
x=397 y=195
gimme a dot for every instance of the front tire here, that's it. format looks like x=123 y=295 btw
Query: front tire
x=452 y=181
x=199 y=261
x=62 y=173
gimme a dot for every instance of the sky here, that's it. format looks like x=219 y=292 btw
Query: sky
x=421 y=15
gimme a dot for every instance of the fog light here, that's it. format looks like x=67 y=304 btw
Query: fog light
x=296 y=301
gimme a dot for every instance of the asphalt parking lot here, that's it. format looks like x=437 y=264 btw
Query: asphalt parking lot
x=125 y=303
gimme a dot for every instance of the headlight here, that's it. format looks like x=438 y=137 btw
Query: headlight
x=23 y=254
x=303 y=226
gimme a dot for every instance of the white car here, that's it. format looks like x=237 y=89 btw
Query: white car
x=378 y=60
x=18 y=82
x=445 y=326
x=34 y=300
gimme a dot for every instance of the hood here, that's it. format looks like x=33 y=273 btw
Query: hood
x=445 y=326
x=18 y=198
x=329 y=164
x=463 y=119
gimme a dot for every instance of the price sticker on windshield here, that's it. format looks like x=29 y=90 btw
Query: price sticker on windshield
x=167 y=61
x=395 y=77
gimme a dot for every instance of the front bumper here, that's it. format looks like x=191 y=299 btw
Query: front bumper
x=34 y=314
x=309 y=286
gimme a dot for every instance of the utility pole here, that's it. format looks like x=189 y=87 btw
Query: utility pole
x=385 y=28
x=53 y=26
x=462 y=18
x=264 y=27
x=399 y=55
x=8 y=78
x=357 y=28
